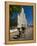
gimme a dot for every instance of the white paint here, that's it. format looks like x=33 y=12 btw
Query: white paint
x=13 y=30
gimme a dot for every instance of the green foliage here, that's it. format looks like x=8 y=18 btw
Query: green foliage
x=12 y=9
x=15 y=8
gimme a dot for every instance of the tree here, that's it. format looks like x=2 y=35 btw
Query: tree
x=15 y=8
x=12 y=9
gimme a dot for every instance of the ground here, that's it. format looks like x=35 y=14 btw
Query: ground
x=28 y=33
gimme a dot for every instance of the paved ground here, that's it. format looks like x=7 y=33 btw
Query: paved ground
x=26 y=36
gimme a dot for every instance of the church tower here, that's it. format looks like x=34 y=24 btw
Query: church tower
x=22 y=19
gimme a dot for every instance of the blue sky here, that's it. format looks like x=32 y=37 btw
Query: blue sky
x=29 y=14
x=28 y=10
